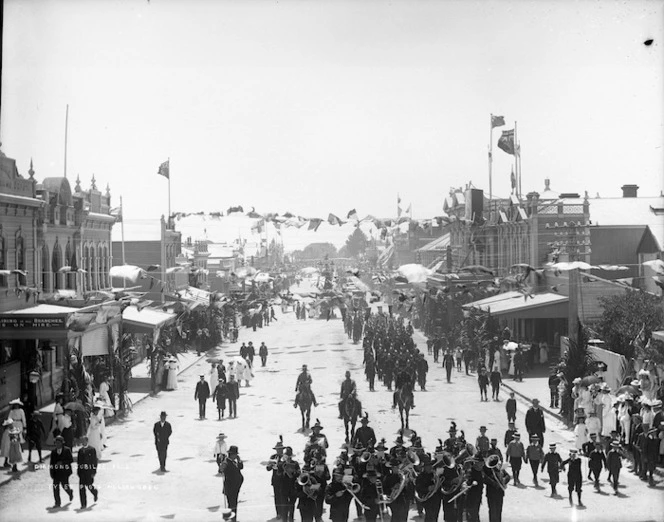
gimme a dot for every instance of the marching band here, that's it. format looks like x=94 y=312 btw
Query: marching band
x=380 y=481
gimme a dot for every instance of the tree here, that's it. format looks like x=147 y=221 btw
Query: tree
x=628 y=316
x=577 y=361
x=319 y=251
x=356 y=243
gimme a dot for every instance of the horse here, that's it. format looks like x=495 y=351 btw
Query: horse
x=405 y=402
x=304 y=400
x=351 y=409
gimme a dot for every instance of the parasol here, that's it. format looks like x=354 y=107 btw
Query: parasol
x=511 y=346
x=590 y=379
x=74 y=406
x=628 y=388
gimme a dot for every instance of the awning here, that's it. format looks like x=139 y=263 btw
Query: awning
x=438 y=244
x=546 y=305
x=145 y=320
x=44 y=321
x=195 y=295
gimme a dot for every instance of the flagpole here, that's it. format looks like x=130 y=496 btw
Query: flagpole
x=124 y=262
x=169 y=193
x=66 y=129
x=490 y=155
x=516 y=165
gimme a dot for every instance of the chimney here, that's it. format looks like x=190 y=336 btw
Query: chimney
x=547 y=184
x=629 y=191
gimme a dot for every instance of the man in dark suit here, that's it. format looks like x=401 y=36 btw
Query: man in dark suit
x=162 y=431
x=87 y=469
x=231 y=467
x=535 y=422
x=232 y=394
x=60 y=468
x=202 y=393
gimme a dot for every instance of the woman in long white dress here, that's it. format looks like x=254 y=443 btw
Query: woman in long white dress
x=104 y=392
x=214 y=377
x=18 y=416
x=172 y=379
x=95 y=438
x=247 y=373
x=544 y=352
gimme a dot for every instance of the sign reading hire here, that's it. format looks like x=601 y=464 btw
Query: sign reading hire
x=40 y=322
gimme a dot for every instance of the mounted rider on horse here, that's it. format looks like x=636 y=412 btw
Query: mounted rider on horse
x=303 y=385
x=403 y=385
x=348 y=388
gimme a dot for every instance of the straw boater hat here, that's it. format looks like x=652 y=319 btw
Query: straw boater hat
x=221 y=436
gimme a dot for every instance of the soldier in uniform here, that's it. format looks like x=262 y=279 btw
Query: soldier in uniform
x=427 y=489
x=304 y=379
x=365 y=435
x=348 y=388
x=288 y=485
x=451 y=444
x=394 y=486
x=369 y=488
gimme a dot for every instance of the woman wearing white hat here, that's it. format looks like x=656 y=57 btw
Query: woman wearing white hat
x=95 y=437
x=18 y=416
x=172 y=367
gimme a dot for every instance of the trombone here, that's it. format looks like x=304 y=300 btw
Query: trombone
x=354 y=488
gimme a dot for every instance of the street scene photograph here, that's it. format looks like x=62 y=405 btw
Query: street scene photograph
x=265 y=261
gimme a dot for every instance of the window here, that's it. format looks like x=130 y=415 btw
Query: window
x=46 y=274
x=93 y=268
x=68 y=275
x=56 y=264
x=100 y=267
x=3 y=259
x=20 y=259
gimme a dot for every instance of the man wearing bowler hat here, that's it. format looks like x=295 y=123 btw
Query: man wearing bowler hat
x=233 y=478
x=87 y=469
x=202 y=393
x=60 y=468
x=162 y=431
x=535 y=421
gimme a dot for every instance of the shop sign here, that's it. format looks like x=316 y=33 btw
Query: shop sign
x=41 y=323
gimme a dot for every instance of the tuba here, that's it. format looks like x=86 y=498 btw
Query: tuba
x=396 y=490
x=304 y=479
x=495 y=474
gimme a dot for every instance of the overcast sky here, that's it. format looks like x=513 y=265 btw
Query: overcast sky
x=322 y=106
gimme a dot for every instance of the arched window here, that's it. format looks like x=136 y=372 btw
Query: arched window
x=56 y=264
x=69 y=284
x=45 y=269
x=107 y=264
x=93 y=268
x=85 y=265
x=20 y=258
x=100 y=267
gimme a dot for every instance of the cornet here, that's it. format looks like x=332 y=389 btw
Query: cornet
x=304 y=479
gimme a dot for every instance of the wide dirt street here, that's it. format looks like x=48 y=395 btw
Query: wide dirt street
x=132 y=488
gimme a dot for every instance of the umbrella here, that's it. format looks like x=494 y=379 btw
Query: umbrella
x=262 y=277
x=74 y=406
x=590 y=379
x=628 y=388
x=415 y=273
x=129 y=272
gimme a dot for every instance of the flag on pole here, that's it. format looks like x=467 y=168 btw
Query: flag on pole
x=506 y=142
x=165 y=169
x=513 y=180
x=116 y=213
x=497 y=121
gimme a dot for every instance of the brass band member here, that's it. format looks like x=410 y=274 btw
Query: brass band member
x=475 y=481
x=453 y=480
x=275 y=466
x=370 y=490
x=288 y=484
x=321 y=473
x=427 y=488
x=308 y=489
x=495 y=479
x=451 y=444
x=338 y=495
x=395 y=486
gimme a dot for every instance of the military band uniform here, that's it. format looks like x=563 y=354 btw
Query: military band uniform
x=495 y=495
x=338 y=497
